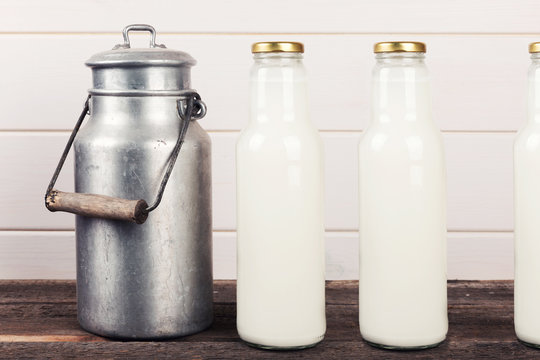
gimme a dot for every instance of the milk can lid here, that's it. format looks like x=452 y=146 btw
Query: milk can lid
x=123 y=55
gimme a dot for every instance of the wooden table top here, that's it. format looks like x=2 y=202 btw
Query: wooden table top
x=38 y=320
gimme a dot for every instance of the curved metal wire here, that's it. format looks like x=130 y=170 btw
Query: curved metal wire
x=68 y=146
x=189 y=106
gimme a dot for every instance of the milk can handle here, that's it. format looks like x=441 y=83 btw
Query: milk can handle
x=189 y=106
x=138 y=27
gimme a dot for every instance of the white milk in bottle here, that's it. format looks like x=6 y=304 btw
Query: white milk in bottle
x=527 y=214
x=402 y=194
x=279 y=171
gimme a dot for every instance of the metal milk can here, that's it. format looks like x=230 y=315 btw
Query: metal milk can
x=143 y=271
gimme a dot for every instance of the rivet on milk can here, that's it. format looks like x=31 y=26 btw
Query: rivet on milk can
x=143 y=271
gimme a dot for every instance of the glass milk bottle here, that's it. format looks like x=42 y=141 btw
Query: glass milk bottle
x=402 y=189
x=527 y=214
x=280 y=189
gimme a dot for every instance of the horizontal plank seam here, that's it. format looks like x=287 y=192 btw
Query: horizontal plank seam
x=458 y=231
x=50 y=338
x=220 y=303
x=241 y=33
x=219 y=231
x=36 y=230
x=237 y=131
x=33 y=302
x=354 y=343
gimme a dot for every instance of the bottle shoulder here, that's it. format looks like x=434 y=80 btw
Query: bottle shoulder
x=385 y=140
x=261 y=138
x=301 y=129
x=528 y=138
x=396 y=131
x=528 y=128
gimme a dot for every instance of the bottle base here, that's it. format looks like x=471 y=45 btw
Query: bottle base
x=403 y=348
x=284 y=348
x=534 y=346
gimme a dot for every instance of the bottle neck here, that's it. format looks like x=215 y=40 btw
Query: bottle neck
x=278 y=88
x=534 y=89
x=401 y=90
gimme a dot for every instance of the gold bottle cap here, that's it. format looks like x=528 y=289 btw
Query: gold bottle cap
x=399 y=46
x=534 y=47
x=277 y=46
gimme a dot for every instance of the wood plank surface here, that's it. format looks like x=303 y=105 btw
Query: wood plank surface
x=472 y=89
x=51 y=255
x=479 y=173
x=273 y=16
x=38 y=320
x=477 y=55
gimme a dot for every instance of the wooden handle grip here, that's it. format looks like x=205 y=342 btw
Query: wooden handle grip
x=99 y=206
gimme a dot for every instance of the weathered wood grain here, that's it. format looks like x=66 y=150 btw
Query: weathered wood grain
x=237 y=350
x=100 y=206
x=38 y=321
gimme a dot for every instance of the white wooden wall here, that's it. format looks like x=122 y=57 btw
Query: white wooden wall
x=477 y=53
